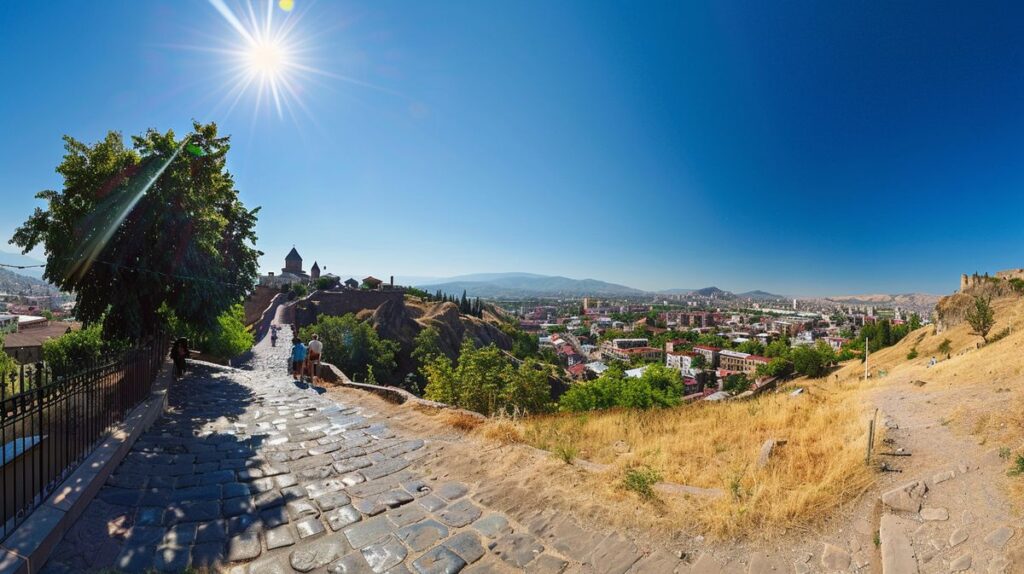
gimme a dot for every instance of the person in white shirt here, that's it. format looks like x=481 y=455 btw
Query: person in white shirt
x=315 y=349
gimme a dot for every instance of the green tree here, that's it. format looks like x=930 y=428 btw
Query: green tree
x=659 y=386
x=777 y=348
x=736 y=383
x=813 y=361
x=226 y=338
x=353 y=346
x=135 y=229
x=777 y=367
x=326 y=283
x=484 y=380
x=753 y=347
x=75 y=348
x=699 y=362
x=8 y=368
x=981 y=317
x=427 y=347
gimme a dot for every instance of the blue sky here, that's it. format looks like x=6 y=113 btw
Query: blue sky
x=796 y=147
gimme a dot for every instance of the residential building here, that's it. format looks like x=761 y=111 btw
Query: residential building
x=740 y=362
x=710 y=354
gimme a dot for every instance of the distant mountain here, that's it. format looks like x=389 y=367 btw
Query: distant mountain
x=758 y=294
x=514 y=285
x=917 y=301
x=677 y=291
x=712 y=292
x=15 y=283
x=8 y=258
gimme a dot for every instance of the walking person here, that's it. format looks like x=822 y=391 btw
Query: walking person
x=179 y=352
x=298 y=358
x=273 y=336
x=315 y=349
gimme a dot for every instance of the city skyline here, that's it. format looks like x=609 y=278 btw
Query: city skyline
x=740 y=146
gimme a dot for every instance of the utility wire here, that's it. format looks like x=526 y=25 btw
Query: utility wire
x=131 y=268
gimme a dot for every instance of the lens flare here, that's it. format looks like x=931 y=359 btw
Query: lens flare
x=286 y=5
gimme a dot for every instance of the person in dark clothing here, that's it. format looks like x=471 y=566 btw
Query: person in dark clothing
x=179 y=352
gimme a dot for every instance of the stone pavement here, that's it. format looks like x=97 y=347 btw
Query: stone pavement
x=249 y=472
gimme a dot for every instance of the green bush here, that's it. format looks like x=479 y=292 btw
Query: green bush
x=659 y=386
x=485 y=380
x=946 y=346
x=353 y=346
x=912 y=354
x=226 y=339
x=736 y=383
x=641 y=480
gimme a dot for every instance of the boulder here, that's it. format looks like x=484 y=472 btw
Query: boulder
x=835 y=558
x=897 y=553
x=907 y=497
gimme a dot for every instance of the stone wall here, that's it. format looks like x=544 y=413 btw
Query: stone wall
x=342 y=303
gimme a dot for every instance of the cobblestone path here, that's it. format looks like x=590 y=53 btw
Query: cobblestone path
x=249 y=472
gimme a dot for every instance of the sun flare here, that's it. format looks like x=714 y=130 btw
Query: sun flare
x=267 y=59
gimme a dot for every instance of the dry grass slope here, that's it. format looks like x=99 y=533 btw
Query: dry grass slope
x=716 y=446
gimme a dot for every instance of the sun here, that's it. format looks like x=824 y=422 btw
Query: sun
x=267 y=59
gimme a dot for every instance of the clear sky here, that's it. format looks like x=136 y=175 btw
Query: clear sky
x=796 y=147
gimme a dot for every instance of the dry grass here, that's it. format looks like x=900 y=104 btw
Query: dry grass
x=502 y=431
x=462 y=420
x=717 y=446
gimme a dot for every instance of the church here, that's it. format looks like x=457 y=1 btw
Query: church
x=292 y=272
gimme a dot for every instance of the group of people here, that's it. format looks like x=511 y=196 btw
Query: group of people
x=306 y=358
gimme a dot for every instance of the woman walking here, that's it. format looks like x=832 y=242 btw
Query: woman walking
x=298 y=358
x=179 y=352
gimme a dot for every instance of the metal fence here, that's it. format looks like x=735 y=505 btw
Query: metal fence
x=53 y=417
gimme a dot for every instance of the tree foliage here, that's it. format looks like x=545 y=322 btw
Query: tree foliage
x=659 y=386
x=226 y=338
x=353 y=346
x=485 y=380
x=981 y=317
x=136 y=229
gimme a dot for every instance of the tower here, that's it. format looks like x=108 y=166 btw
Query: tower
x=293 y=262
x=314 y=271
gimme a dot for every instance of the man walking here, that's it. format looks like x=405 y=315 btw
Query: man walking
x=298 y=358
x=315 y=349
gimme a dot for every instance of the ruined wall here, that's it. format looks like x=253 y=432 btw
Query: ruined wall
x=342 y=303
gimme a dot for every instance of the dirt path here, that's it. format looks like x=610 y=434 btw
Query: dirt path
x=965 y=522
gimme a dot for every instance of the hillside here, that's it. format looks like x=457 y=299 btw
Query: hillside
x=402 y=323
x=16 y=283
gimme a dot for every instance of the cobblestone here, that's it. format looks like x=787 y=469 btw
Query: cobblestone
x=251 y=473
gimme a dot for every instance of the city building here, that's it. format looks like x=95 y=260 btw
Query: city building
x=736 y=361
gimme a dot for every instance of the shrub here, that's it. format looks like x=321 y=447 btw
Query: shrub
x=945 y=346
x=1018 y=466
x=484 y=380
x=299 y=290
x=353 y=346
x=736 y=383
x=641 y=480
x=566 y=451
x=327 y=283
x=999 y=335
x=912 y=354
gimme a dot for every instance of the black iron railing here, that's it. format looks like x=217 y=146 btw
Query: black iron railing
x=53 y=416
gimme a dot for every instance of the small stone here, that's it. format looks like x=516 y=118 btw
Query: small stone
x=835 y=558
x=353 y=563
x=341 y=517
x=493 y=526
x=245 y=546
x=317 y=554
x=385 y=554
x=999 y=537
x=517 y=549
x=423 y=535
x=451 y=490
x=943 y=476
x=309 y=527
x=960 y=564
x=934 y=513
x=439 y=560
x=459 y=514
x=958 y=536
x=906 y=498
x=466 y=545
x=279 y=537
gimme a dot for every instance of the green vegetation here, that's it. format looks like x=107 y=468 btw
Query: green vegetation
x=659 y=386
x=981 y=317
x=138 y=229
x=524 y=345
x=298 y=290
x=7 y=368
x=78 y=348
x=324 y=283
x=485 y=380
x=641 y=480
x=354 y=347
x=227 y=338
x=946 y=346
x=912 y=354
x=736 y=383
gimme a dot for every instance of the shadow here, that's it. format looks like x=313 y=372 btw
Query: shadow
x=182 y=492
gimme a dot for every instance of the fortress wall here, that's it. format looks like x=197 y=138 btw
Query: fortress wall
x=341 y=303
